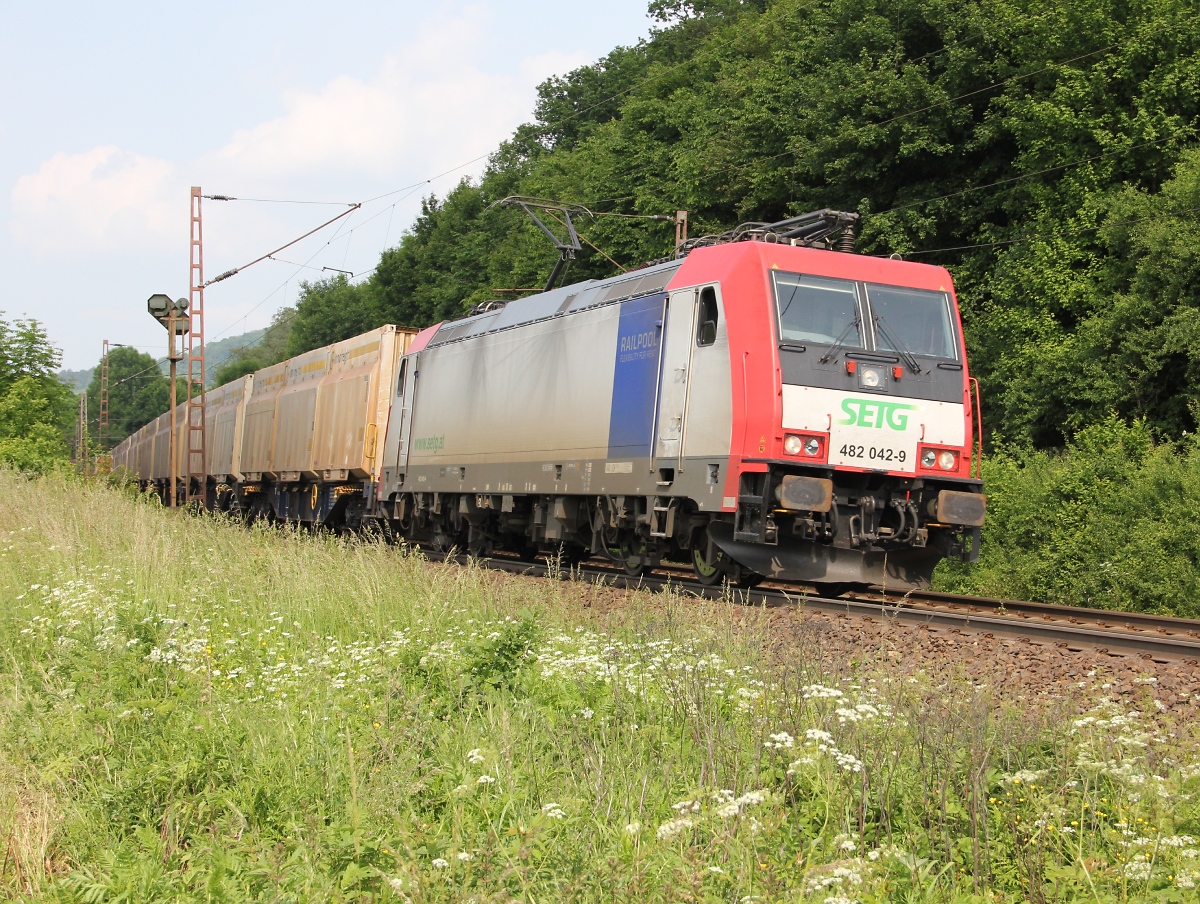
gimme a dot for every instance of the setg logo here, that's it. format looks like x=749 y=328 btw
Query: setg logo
x=876 y=413
x=429 y=443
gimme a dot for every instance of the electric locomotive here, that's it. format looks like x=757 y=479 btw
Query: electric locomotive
x=763 y=406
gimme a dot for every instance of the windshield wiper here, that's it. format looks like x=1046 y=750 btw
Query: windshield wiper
x=840 y=341
x=898 y=346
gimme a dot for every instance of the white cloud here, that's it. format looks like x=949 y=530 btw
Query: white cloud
x=426 y=108
x=102 y=199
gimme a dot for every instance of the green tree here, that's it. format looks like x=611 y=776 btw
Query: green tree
x=328 y=311
x=137 y=393
x=37 y=410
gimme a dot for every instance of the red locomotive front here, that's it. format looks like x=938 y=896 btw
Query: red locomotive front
x=851 y=435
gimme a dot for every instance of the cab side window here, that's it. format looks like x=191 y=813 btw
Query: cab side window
x=706 y=317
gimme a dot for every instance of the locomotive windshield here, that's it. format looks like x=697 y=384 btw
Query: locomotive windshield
x=913 y=321
x=817 y=309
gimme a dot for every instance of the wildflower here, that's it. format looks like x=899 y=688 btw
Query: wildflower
x=475 y=757
x=672 y=827
x=717 y=870
x=587 y=713
x=484 y=780
x=633 y=828
x=463 y=856
x=553 y=811
x=440 y=863
x=781 y=740
x=397 y=885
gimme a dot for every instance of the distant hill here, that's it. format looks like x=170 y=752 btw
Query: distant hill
x=218 y=353
x=78 y=380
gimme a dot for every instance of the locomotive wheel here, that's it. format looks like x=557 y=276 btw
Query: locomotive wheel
x=709 y=575
x=743 y=578
x=635 y=558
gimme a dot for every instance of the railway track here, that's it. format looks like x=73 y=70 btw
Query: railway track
x=1126 y=634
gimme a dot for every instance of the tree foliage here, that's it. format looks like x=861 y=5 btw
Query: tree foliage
x=36 y=409
x=137 y=394
x=1040 y=152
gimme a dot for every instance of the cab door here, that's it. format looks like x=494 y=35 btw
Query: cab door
x=676 y=377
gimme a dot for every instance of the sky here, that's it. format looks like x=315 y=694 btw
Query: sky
x=111 y=112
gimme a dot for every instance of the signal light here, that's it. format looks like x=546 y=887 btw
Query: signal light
x=897 y=372
x=851 y=367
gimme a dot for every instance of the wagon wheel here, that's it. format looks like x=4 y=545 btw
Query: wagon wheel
x=260 y=511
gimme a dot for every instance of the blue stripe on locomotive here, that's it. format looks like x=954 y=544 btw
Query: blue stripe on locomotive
x=639 y=342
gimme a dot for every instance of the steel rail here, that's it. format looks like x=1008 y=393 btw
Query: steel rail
x=1158 y=638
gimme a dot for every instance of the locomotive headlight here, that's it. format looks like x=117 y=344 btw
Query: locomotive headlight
x=812 y=446
x=869 y=378
x=947 y=460
x=928 y=458
x=792 y=444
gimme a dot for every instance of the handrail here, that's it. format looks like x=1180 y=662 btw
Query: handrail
x=978 y=412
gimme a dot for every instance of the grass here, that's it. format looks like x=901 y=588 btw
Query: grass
x=194 y=711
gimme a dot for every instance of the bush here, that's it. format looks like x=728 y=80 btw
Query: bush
x=1109 y=522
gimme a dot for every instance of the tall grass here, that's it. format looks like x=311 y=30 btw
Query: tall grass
x=190 y=710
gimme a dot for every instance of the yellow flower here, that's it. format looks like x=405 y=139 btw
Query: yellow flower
x=376 y=724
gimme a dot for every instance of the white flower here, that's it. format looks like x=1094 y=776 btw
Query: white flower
x=397 y=885
x=464 y=856
x=634 y=827
x=484 y=780
x=781 y=740
x=672 y=827
x=717 y=870
x=586 y=713
x=475 y=757
x=439 y=863
x=553 y=811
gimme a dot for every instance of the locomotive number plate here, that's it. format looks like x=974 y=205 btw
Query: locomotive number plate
x=890 y=457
